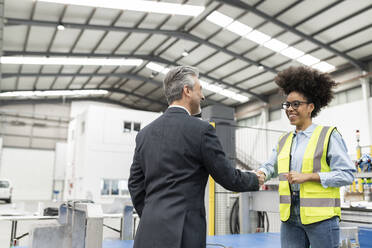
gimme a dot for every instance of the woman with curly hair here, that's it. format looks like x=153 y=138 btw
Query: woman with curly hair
x=311 y=162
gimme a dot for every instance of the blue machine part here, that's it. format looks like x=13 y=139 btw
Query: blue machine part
x=365 y=163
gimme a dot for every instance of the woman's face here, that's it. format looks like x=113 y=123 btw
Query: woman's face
x=298 y=109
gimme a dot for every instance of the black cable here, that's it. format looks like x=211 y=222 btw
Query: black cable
x=21 y=236
x=234 y=218
x=259 y=219
x=109 y=227
x=267 y=220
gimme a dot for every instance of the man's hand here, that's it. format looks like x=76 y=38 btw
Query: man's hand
x=295 y=177
x=261 y=177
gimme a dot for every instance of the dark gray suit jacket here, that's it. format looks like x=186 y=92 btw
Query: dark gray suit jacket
x=173 y=157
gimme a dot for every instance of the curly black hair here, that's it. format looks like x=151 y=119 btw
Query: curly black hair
x=313 y=84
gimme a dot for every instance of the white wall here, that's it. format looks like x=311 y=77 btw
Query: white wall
x=60 y=161
x=31 y=172
x=102 y=150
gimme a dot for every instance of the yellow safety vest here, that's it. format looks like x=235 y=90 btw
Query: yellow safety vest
x=316 y=202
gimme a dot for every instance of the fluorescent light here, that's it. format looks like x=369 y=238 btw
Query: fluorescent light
x=239 y=28
x=258 y=37
x=219 y=19
x=241 y=98
x=165 y=71
x=275 y=45
x=224 y=92
x=68 y=61
x=308 y=60
x=292 y=52
x=52 y=93
x=156 y=67
x=211 y=87
x=137 y=5
x=324 y=67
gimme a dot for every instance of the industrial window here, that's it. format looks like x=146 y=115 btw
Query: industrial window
x=136 y=126
x=354 y=94
x=105 y=187
x=114 y=187
x=127 y=126
x=250 y=121
x=275 y=114
x=346 y=96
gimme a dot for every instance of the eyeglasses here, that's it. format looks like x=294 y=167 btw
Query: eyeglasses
x=294 y=104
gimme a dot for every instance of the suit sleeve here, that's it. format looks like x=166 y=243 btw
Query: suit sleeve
x=136 y=183
x=220 y=168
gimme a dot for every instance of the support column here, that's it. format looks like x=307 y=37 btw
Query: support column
x=1 y=37
x=366 y=91
x=265 y=117
x=1 y=54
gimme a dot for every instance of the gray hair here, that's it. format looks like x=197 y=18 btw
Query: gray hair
x=176 y=79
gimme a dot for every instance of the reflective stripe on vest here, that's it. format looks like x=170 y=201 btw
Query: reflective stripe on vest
x=316 y=202
x=320 y=202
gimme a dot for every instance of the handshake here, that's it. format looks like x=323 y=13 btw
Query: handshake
x=260 y=176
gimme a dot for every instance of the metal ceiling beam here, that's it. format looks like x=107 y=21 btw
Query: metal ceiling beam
x=121 y=75
x=171 y=33
x=242 y=5
x=145 y=57
x=67 y=100
x=98 y=55
x=120 y=91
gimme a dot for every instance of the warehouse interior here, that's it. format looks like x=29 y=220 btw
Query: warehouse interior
x=79 y=79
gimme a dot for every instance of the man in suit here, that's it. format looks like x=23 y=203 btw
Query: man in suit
x=173 y=157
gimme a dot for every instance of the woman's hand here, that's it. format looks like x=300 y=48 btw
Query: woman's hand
x=295 y=177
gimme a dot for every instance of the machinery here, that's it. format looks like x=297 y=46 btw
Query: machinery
x=80 y=225
x=364 y=163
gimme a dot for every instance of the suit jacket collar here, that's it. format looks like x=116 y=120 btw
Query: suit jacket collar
x=176 y=110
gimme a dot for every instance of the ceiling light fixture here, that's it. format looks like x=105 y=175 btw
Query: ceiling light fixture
x=69 y=61
x=224 y=92
x=275 y=45
x=292 y=53
x=185 y=53
x=260 y=38
x=219 y=19
x=308 y=60
x=137 y=5
x=211 y=87
x=28 y=94
x=60 y=27
x=156 y=67
x=239 y=28
x=324 y=67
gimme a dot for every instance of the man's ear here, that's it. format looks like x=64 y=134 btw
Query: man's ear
x=186 y=90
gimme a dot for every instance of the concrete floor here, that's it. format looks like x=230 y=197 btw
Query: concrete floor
x=30 y=208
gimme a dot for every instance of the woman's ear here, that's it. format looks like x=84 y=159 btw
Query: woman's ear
x=312 y=107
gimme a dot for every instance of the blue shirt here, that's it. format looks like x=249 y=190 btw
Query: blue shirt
x=342 y=167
